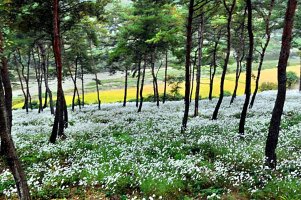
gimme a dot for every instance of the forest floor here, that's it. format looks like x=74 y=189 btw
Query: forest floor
x=117 y=153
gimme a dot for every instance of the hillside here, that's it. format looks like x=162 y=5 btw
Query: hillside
x=119 y=153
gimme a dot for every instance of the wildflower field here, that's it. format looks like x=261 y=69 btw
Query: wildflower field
x=108 y=95
x=117 y=153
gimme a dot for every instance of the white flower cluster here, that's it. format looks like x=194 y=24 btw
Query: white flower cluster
x=118 y=148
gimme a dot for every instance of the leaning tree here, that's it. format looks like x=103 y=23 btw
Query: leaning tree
x=272 y=139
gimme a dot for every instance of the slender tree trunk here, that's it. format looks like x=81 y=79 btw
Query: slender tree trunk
x=248 y=70
x=138 y=83
x=272 y=140
x=193 y=75
x=192 y=82
x=83 y=85
x=262 y=54
x=199 y=64
x=8 y=150
x=75 y=82
x=75 y=89
x=97 y=82
x=165 y=76
x=45 y=68
x=155 y=82
x=39 y=75
x=240 y=51
x=61 y=115
x=142 y=83
x=214 y=65
x=125 y=87
x=26 y=79
x=97 y=90
x=187 y=64
x=221 y=96
x=237 y=76
x=21 y=83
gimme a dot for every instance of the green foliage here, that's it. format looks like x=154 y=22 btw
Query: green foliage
x=227 y=93
x=291 y=79
x=162 y=187
x=280 y=189
x=268 y=86
x=174 y=82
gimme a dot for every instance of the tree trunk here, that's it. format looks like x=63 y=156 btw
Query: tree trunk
x=75 y=89
x=45 y=68
x=193 y=75
x=21 y=83
x=61 y=115
x=4 y=75
x=155 y=82
x=97 y=90
x=165 y=76
x=142 y=83
x=138 y=83
x=187 y=64
x=26 y=79
x=83 y=85
x=240 y=51
x=6 y=83
x=199 y=64
x=237 y=76
x=39 y=77
x=272 y=140
x=262 y=54
x=125 y=86
x=8 y=150
x=214 y=65
x=248 y=70
x=228 y=51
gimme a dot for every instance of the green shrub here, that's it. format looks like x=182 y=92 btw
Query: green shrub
x=291 y=79
x=268 y=86
x=227 y=93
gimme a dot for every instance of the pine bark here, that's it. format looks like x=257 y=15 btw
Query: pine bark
x=125 y=87
x=199 y=64
x=165 y=77
x=228 y=51
x=75 y=89
x=213 y=67
x=272 y=139
x=142 y=83
x=138 y=83
x=155 y=82
x=240 y=56
x=248 y=70
x=8 y=150
x=187 y=64
x=61 y=115
x=39 y=77
x=83 y=85
x=264 y=48
x=45 y=68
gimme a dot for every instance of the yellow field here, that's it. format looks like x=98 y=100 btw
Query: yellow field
x=108 y=96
